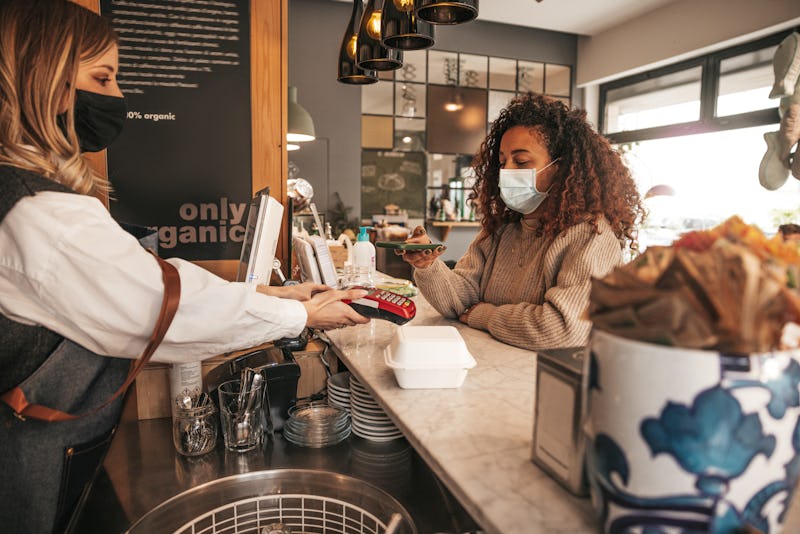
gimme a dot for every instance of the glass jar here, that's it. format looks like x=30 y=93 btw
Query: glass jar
x=194 y=430
x=357 y=276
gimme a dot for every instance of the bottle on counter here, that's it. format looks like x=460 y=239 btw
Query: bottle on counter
x=363 y=250
x=361 y=272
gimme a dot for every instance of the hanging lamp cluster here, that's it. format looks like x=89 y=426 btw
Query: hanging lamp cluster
x=380 y=30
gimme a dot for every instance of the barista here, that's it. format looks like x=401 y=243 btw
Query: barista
x=74 y=286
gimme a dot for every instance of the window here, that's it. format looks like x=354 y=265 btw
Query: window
x=693 y=136
x=657 y=101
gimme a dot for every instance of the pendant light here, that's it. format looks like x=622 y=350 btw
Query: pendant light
x=447 y=11
x=371 y=54
x=402 y=29
x=300 y=127
x=349 y=72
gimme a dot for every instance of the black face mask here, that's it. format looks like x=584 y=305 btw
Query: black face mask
x=98 y=119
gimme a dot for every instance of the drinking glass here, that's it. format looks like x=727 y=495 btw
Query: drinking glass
x=241 y=415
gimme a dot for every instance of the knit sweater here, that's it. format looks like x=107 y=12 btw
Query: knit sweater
x=528 y=291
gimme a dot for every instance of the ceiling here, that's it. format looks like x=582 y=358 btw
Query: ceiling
x=583 y=17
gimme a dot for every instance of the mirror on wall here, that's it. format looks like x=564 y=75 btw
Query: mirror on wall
x=377 y=98
x=414 y=67
x=442 y=67
x=441 y=104
x=456 y=119
x=530 y=77
x=473 y=70
x=409 y=135
x=502 y=74
x=450 y=181
x=409 y=99
x=557 y=80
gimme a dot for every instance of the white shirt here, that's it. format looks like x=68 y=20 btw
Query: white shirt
x=67 y=265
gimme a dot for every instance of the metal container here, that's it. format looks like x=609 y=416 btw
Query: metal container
x=306 y=501
x=558 y=442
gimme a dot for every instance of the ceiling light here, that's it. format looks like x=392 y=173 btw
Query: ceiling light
x=370 y=53
x=402 y=29
x=456 y=104
x=349 y=72
x=448 y=11
x=300 y=127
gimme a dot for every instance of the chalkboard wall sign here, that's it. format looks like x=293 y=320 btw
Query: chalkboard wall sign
x=392 y=177
x=183 y=161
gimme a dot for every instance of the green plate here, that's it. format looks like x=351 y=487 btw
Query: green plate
x=399 y=245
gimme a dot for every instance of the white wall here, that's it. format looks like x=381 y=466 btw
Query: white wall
x=678 y=31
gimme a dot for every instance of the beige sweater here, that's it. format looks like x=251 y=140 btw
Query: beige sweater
x=530 y=291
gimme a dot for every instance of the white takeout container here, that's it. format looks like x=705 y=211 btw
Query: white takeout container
x=426 y=357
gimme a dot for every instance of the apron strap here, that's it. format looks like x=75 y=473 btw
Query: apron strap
x=15 y=397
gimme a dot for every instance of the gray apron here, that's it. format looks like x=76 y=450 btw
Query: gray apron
x=46 y=466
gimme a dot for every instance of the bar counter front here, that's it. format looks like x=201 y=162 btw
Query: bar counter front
x=476 y=439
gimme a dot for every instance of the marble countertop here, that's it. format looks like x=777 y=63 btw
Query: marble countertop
x=477 y=438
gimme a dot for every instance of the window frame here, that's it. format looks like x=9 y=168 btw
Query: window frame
x=709 y=84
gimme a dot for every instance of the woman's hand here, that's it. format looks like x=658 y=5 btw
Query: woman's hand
x=422 y=258
x=301 y=292
x=327 y=311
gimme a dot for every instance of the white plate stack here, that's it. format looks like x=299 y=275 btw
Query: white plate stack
x=339 y=391
x=368 y=419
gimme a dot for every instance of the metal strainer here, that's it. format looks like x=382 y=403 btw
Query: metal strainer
x=302 y=501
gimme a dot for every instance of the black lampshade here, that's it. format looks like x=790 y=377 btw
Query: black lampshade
x=447 y=11
x=349 y=72
x=401 y=28
x=370 y=53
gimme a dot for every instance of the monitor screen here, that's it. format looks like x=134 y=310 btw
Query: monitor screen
x=264 y=222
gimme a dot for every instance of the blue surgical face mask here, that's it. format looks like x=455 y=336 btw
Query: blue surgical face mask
x=518 y=189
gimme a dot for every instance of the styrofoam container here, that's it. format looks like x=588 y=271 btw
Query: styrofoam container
x=426 y=357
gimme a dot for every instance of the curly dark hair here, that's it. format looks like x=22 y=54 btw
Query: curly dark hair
x=590 y=182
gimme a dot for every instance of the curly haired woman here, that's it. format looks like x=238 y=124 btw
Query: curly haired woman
x=558 y=207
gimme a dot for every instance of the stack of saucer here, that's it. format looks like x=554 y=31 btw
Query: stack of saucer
x=339 y=391
x=316 y=425
x=369 y=421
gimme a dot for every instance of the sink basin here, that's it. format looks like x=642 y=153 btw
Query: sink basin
x=306 y=501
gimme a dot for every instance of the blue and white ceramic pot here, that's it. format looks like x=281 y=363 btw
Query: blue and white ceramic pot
x=682 y=440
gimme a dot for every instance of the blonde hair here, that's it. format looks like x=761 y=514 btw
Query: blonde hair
x=42 y=44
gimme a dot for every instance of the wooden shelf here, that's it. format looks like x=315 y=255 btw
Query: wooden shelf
x=446 y=226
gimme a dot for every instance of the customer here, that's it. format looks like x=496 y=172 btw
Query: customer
x=73 y=284
x=557 y=206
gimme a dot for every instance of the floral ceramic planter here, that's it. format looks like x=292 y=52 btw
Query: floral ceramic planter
x=682 y=440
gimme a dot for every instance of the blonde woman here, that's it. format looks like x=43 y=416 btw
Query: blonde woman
x=74 y=287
